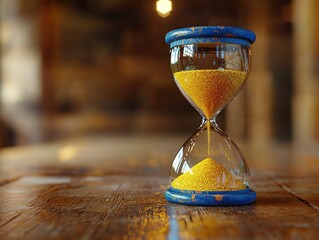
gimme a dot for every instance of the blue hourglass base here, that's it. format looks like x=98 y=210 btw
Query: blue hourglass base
x=208 y=198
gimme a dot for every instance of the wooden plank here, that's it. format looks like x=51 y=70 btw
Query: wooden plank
x=92 y=156
x=304 y=189
x=133 y=207
x=112 y=188
x=121 y=155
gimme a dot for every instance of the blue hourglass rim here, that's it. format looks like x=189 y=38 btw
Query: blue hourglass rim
x=211 y=198
x=204 y=34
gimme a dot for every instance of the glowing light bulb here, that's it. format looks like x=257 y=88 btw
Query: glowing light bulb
x=164 y=7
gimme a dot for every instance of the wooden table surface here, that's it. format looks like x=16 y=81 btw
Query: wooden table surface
x=112 y=188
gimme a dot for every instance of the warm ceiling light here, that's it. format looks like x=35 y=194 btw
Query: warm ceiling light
x=164 y=7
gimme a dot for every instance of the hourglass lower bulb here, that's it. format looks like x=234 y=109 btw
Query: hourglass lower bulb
x=210 y=65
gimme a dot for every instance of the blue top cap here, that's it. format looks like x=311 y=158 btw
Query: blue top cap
x=202 y=34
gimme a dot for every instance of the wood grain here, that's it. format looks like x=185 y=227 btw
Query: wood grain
x=102 y=194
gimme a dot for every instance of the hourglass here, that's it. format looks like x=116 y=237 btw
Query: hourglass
x=210 y=65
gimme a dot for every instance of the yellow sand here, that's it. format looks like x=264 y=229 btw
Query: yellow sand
x=210 y=89
x=207 y=175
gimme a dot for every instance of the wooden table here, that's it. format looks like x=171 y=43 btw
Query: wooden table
x=112 y=188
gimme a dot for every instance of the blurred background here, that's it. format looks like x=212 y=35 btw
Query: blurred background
x=73 y=68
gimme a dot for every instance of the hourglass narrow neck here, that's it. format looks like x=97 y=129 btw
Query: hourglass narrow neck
x=212 y=122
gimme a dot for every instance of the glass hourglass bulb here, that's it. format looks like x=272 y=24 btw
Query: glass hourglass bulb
x=210 y=65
